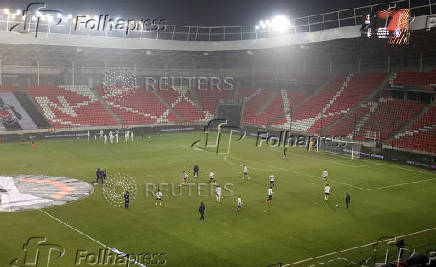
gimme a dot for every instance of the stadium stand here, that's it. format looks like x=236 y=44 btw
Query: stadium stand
x=411 y=78
x=137 y=106
x=421 y=135
x=209 y=98
x=386 y=116
x=253 y=102
x=181 y=100
x=66 y=106
x=358 y=88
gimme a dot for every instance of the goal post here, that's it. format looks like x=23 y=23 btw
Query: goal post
x=339 y=147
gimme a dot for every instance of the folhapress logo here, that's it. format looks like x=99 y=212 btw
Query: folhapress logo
x=38 y=253
x=220 y=125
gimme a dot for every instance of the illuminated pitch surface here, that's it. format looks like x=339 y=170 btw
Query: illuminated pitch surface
x=27 y=192
x=386 y=200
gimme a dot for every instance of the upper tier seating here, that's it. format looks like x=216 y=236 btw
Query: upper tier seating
x=253 y=102
x=387 y=117
x=423 y=79
x=421 y=135
x=137 y=106
x=181 y=99
x=66 y=106
x=209 y=98
x=8 y=88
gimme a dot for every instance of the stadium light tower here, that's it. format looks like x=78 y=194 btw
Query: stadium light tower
x=279 y=23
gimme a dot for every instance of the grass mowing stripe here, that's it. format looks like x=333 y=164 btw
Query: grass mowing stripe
x=122 y=254
x=366 y=245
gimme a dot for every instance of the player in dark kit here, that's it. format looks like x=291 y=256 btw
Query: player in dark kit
x=285 y=153
x=201 y=210
x=347 y=199
x=126 y=200
x=196 y=169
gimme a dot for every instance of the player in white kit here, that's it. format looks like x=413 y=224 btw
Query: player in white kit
x=325 y=174
x=126 y=136
x=239 y=204
x=218 y=193
x=105 y=139
x=158 y=198
x=246 y=172
x=327 y=192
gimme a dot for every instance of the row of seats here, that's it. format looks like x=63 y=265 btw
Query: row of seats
x=70 y=106
x=421 y=135
x=388 y=116
x=423 y=79
x=136 y=105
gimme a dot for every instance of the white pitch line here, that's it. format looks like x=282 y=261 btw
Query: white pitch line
x=93 y=239
x=366 y=245
x=348 y=249
x=298 y=262
x=325 y=255
x=390 y=186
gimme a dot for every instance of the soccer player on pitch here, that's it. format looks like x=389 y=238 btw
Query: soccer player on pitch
x=126 y=200
x=285 y=153
x=271 y=180
x=218 y=193
x=201 y=210
x=325 y=173
x=185 y=177
x=211 y=177
x=327 y=192
x=196 y=169
x=245 y=172
x=239 y=204
x=270 y=193
x=158 y=197
x=347 y=199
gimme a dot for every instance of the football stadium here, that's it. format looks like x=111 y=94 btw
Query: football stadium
x=218 y=133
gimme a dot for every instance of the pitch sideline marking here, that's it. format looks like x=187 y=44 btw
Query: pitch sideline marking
x=93 y=239
x=366 y=245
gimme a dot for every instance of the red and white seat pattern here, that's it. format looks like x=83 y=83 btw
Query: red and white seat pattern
x=289 y=99
x=137 y=106
x=385 y=117
x=67 y=106
x=209 y=98
x=181 y=100
x=424 y=79
x=8 y=88
x=305 y=116
x=254 y=100
x=421 y=135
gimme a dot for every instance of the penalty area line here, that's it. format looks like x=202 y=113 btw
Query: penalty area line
x=122 y=254
x=362 y=246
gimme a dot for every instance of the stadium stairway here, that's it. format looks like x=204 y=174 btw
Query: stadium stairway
x=361 y=103
x=410 y=123
x=195 y=100
x=287 y=112
x=168 y=106
x=267 y=102
x=104 y=104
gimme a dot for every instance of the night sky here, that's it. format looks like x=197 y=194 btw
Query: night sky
x=196 y=12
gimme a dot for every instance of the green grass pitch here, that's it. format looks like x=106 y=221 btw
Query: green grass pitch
x=299 y=227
